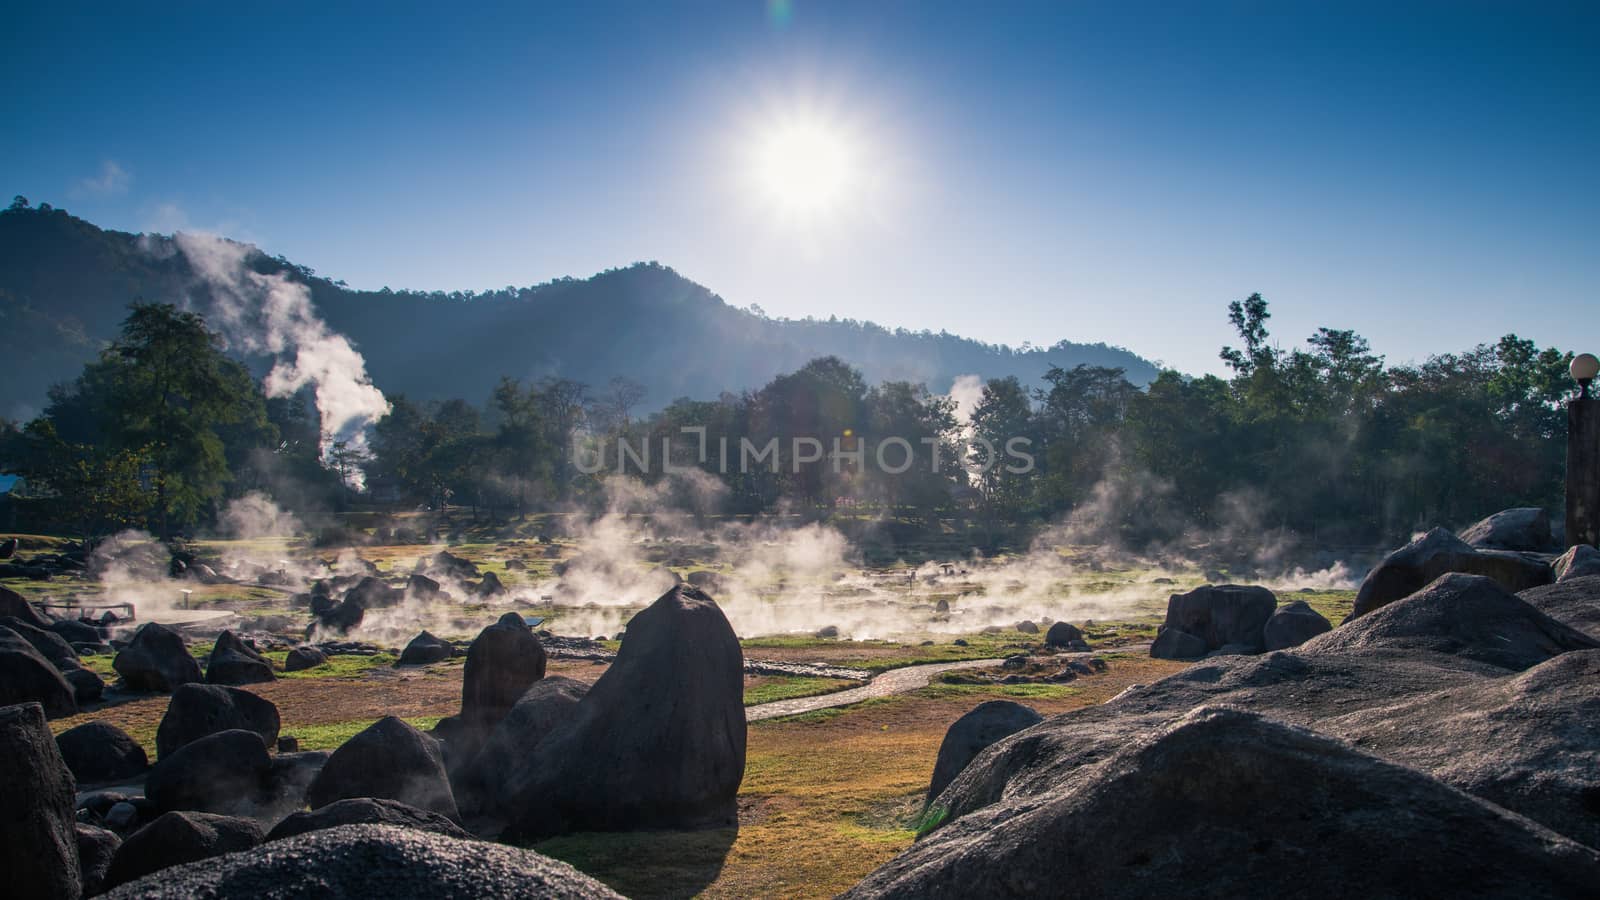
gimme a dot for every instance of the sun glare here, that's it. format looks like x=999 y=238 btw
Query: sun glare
x=804 y=168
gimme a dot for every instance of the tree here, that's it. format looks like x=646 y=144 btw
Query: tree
x=164 y=389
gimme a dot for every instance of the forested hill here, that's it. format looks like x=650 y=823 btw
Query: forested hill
x=65 y=285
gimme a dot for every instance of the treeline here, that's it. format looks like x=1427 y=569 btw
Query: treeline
x=1326 y=442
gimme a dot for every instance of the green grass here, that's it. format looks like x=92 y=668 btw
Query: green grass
x=788 y=688
x=818 y=716
x=330 y=735
x=941 y=690
x=1334 y=605
x=339 y=666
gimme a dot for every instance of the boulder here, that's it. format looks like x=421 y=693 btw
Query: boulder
x=1574 y=602
x=1525 y=528
x=972 y=734
x=490 y=586
x=657 y=742
x=366 y=811
x=1174 y=643
x=1064 y=634
x=371 y=860
x=1470 y=616
x=449 y=565
x=96 y=847
x=1580 y=561
x=13 y=605
x=1222 y=614
x=38 y=841
x=50 y=645
x=549 y=704
x=232 y=661
x=1528 y=742
x=26 y=676
x=1292 y=625
x=197 y=710
x=1225 y=803
x=87 y=686
x=423 y=588
x=1412 y=567
x=425 y=648
x=176 y=838
x=156 y=660
x=388 y=760
x=223 y=773
x=76 y=632
x=8 y=548
x=504 y=660
x=98 y=752
x=1027 y=627
x=304 y=657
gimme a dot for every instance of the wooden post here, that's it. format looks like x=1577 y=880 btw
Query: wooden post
x=1583 y=472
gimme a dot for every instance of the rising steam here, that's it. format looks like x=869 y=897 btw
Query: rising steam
x=270 y=314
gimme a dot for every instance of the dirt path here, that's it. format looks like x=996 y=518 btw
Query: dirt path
x=894 y=681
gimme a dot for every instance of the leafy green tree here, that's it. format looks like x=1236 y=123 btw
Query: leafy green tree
x=166 y=390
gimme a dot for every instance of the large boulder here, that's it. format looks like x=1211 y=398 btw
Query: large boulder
x=98 y=752
x=176 y=838
x=14 y=605
x=354 y=861
x=490 y=586
x=424 y=649
x=1466 y=615
x=1412 y=567
x=223 y=773
x=38 y=843
x=1064 y=634
x=388 y=760
x=96 y=848
x=448 y=565
x=366 y=811
x=232 y=661
x=197 y=710
x=504 y=660
x=1292 y=625
x=1408 y=651
x=658 y=742
x=304 y=657
x=26 y=676
x=156 y=660
x=1580 y=561
x=1529 y=742
x=1224 y=803
x=546 y=706
x=1574 y=602
x=50 y=645
x=972 y=734
x=1174 y=643
x=1222 y=615
x=77 y=632
x=1525 y=528
x=87 y=686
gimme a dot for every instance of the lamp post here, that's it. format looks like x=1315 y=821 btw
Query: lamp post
x=1583 y=456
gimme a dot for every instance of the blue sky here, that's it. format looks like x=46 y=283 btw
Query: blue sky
x=1427 y=174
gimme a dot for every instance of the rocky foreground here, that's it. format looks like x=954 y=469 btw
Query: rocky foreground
x=1445 y=744
x=657 y=742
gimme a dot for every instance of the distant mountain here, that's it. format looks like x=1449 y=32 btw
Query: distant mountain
x=65 y=285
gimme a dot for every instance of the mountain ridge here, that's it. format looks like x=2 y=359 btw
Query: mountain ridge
x=65 y=284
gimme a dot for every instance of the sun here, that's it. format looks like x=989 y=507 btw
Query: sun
x=805 y=168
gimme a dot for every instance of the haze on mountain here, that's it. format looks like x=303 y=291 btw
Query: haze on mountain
x=65 y=285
